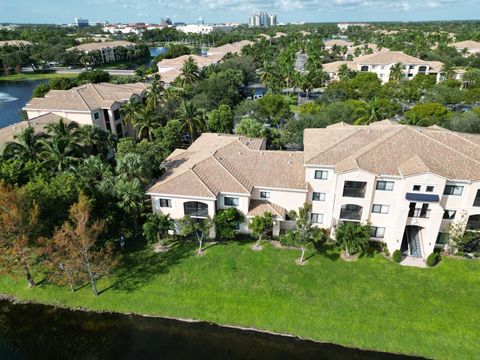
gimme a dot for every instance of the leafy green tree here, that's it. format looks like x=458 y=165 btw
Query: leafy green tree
x=198 y=227
x=226 y=223
x=260 y=225
x=95 y=141
x=41 y=90
x=352 y=237
x=250 y=128
x=426 y=114
x=169 y=137
x=94 y=76
x=131 y=198
x=157 y=226
x=220 y=120
x=344 y=72
x=129 y=110
x=397 y=72
x=133 y=166
x=275 y=108
x=61 y=83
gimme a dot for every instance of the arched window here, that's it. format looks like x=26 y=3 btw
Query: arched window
x=195 y=209
x=351 y=212
x=473 y=222
x=422 y=69
x=364 y=68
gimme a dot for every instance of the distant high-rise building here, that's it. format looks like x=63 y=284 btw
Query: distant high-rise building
x=262 y=19
x=81 y=22
x=167 y=21
x=200 y=21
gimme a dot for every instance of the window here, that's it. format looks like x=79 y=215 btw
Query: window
x=423 y=212
x=454 y=190
x=264 y=195
x=195 y=209
x=321 y=174
x=442 y=238
x=116 y=114
x=382 y=67
x=476 y=202
x=377 y=232
x=380 y=209
x=382 y=75
x=96 y=115
x=430 y=188
x=374 y=67
x=385 y=185
x=317 y=218
x=230 y=201
x=364 y=68
x=416 y=187
x=354 y=189
x=119 y=130
x=164 y=203
x=351 y=212
x=318 y=196
x=411 y=67
x=449 y=214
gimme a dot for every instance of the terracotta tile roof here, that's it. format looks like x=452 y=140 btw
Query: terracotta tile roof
x=8 y=133
x=333 y=67
x=374 y=47
x=467 y=44
x=386 y=148
x=86 y=97
x=101 y=45
x=260 y=207
x=17 y=43
x=388 y=57
x=331 y=43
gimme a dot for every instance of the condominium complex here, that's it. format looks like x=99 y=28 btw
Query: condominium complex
x=409 y=183
x=467 y=47
x=381 y=63
x=108 y=50
x=262 y=19
x=90 y=104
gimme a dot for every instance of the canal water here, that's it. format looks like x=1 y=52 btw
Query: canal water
x=44 y=332
x=13 y=97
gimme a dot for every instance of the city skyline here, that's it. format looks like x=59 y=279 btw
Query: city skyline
x=217 y=11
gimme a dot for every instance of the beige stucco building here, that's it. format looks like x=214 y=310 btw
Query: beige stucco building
x=409 y=183
x=90 y=104
x=381 y=63
x=107 y=49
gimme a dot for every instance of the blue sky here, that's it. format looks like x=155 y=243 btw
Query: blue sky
x=63 y=11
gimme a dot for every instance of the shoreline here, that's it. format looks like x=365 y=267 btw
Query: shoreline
x=15 y=301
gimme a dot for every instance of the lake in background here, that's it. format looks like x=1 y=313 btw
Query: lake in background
x=13 y=97
x=45 y=332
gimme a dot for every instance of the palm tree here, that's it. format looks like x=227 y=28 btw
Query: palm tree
x=157 y=227
x=129 y=110
x=344 y=73
x=192 y=120
x=369 y=113
x=146 y=122
x=28 y=147
x=397 y=72
x=154 y=93
x=448 y=71
x=70 y=130
x=131 y=196
x=133 y=166
x=60 y=153
x=189 y=72
x=269 y=76
x=95 y=141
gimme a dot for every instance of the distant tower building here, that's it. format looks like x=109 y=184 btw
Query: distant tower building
x=81 y=22
x=262 y=19
x=200 y=21
x=167 y=21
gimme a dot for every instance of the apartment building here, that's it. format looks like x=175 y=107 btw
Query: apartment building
x=107 y=49
x=90 y=104
x=409 y=183
x=381 y=63
x=468 y=47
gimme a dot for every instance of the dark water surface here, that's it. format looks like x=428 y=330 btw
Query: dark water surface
x=14 y=96
x=44 y=332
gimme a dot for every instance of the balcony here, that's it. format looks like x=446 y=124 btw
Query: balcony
x=354 y=189
x=351 y=212
x=419 y=213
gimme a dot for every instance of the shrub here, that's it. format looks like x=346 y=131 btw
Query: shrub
x=477 y=254
x=460 y=253
x=433 y=259
x=397 y=256
x=288 y=239
x=41 y=90
x=94 y=76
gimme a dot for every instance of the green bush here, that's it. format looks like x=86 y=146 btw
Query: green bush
x=397 y=256
x=477 y=254
x=288 y=239
x=460 y=253
x=433 y=259
x=41 y=90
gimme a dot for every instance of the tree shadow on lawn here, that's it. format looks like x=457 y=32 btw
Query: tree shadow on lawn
x=328 y=250
x=139 y=266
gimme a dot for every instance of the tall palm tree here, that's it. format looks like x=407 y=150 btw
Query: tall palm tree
x=146 y=122
x=129 y=110
x=448 y=71
x=189 y=72
x=192 y=119
x=369 y=113
x=154 y=93
x=344 y=73
x=95 y=141
x=28 y=146
x=269 y=75
x=397 y=72
x=131 y=197
x=60 y=153
x=69 y=130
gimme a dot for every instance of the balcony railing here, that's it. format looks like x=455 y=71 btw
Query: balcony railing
x=357 y=193
x=350 y=215
x=419 y=213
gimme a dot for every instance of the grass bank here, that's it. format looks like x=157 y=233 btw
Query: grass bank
x=34 y=76
x=371 y=304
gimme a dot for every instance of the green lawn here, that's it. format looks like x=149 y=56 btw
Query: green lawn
x=34 y=76
x=372 y=303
